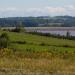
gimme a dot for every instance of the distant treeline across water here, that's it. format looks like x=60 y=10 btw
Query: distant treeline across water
x=40 y=21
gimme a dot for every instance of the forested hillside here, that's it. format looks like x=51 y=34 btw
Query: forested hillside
x=41 y=21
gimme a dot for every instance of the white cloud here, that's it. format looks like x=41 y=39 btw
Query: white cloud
x=55 y=9
x=48 y=10
x=8 y=9
x=11 y=9
x=70 y=7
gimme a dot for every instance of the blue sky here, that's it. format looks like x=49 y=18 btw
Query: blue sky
x=11 y=8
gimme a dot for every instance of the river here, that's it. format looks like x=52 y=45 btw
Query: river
x=52 y=30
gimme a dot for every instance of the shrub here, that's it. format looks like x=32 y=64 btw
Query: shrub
x=4 y=40
x=42 y=44
x=16 y=30
x=19 y=42
x=19 y=28
x=4 y=35
x=29 y=50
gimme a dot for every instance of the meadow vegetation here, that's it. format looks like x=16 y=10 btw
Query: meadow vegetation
x=29 y=54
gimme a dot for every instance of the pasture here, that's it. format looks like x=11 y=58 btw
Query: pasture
x=30 y=54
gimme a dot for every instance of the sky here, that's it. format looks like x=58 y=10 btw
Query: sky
x=22 y=8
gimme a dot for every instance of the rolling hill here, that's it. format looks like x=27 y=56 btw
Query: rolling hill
x=41 y=21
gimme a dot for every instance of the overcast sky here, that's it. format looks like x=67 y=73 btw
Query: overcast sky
x=18 y=8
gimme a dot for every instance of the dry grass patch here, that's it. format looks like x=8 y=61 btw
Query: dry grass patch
x=28 y=66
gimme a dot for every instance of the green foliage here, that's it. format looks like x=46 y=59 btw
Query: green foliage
x=19 y=28
x=4 y=40
x=28 y=43
x=20 y=42
x=39 y=21
x=68 y=34
x=42 y=44
x=4 y=35
x=38 y=54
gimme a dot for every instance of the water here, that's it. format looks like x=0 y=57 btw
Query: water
x=72 y=33
x=52 y=30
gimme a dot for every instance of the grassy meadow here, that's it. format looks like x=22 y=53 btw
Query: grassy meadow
x=30 y=54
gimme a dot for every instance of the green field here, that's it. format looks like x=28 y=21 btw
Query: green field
x=30 y=54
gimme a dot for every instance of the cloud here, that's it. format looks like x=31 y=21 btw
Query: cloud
x=70 y=7
x=48 y=10
x=8 y=9
x=55 y=9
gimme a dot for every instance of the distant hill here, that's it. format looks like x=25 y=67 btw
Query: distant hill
x=41 y=21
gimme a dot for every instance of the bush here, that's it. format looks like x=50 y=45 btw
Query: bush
x=19 y=28
x=20 y=42
x=4 y=35
x=4 y=40
x=16 y=30
x=42 y=44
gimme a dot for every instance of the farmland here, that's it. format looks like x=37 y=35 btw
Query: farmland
x=30 y=54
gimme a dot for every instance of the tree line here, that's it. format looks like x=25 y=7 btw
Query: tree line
x=62 y=21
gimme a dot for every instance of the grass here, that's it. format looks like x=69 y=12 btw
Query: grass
x=37 y=55
x=37 y=40
x=27 y=66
